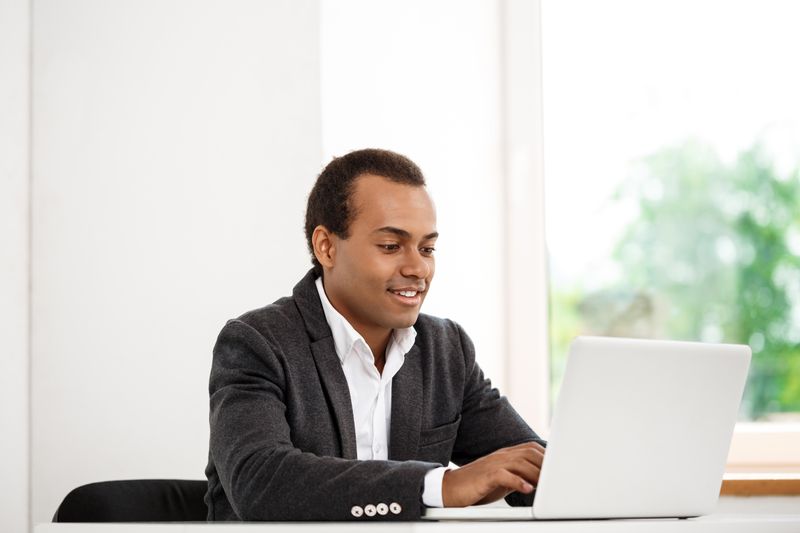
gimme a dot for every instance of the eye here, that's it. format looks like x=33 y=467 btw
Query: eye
x=389 y=247
x=427 y=250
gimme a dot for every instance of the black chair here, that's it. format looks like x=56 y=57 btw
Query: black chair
x=135 y=500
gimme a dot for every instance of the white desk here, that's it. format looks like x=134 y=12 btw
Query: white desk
x=739 y=523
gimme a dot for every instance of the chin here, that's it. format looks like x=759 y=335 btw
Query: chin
x=406 y=322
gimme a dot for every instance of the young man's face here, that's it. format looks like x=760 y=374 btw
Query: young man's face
x=380 y=275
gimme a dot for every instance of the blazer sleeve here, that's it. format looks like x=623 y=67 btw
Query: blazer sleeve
x=264 y=476
x=488 y=421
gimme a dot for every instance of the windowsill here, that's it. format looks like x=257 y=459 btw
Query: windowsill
x=761 y=484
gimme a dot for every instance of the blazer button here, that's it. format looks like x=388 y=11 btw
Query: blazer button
x=395 y=508
x=357 y=511
x=382 y=509
x=369 y=510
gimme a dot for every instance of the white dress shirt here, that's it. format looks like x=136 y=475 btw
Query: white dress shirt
x=371 y=391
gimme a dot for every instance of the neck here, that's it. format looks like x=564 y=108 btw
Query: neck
x=377 y=341
x=377 y=338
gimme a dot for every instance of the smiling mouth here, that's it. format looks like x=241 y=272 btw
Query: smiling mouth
x=407 y=296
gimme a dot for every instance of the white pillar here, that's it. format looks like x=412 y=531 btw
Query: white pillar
x=14 y=261
x=526 y=250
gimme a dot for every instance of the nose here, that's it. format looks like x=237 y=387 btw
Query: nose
x=415 y=265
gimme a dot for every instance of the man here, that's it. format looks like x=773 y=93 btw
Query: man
x=343 y=402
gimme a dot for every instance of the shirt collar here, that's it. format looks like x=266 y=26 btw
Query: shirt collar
x=345 y=336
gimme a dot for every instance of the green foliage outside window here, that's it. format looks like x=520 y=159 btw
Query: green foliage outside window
x=714 y=255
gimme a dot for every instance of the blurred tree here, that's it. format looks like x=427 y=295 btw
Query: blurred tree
x=718 y=246
x=714 y=255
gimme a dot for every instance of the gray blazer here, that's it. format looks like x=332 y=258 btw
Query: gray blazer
x=283 y=445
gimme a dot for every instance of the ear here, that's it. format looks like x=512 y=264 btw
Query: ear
x=324 y=242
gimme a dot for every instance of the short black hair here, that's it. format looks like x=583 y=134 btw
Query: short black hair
x=329 y=202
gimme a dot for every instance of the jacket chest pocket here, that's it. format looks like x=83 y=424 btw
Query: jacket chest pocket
x=436 y=444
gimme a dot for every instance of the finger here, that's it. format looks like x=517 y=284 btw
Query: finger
x=527 y=446
x=529 y=454
x=526 y=463
x=537 y=457
x=526 y=471
x=510 y=481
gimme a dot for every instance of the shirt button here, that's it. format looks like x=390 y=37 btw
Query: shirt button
x=369 y=510
x=382 y=509
x=357 y=511
x=395 y=508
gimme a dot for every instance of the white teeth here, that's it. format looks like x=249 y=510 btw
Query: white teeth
x=409 y=294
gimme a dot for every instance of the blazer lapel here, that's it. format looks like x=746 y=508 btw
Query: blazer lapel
x=332 y=377
x=327 y=362
x=406 y=385
x=406 y=408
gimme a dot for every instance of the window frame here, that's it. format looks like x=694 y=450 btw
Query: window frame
x=756 y=446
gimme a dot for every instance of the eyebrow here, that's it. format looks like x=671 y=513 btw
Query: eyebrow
x=403 y=233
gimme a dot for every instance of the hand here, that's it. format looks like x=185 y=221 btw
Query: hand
x=492 y=477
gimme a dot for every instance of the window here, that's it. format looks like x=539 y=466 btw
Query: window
x=672 y=188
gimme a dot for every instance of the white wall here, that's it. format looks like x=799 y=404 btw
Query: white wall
x=174 y=144
x=424 y=79
x=14 y=106
x=456 y=86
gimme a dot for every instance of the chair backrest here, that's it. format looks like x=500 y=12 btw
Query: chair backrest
x=135 y=500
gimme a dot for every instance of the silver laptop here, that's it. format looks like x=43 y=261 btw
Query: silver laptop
x=641 y=429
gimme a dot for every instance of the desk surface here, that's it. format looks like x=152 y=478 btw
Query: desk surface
x=745 y=523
